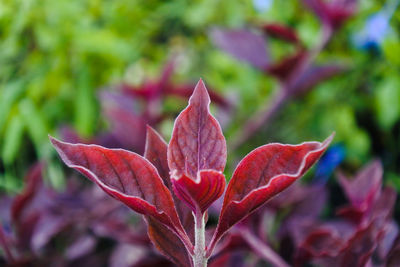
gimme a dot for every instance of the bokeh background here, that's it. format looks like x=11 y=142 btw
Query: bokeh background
x=88 y=71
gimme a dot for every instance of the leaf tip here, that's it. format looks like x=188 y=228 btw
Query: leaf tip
x=200 y=93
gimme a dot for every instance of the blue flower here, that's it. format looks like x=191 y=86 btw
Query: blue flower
x=376 y=28
x=328 y=163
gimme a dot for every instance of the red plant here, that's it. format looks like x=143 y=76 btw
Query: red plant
x=186 y=176
x=297 y=73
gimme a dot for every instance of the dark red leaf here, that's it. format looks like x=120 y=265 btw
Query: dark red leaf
x=365 y=187
x=197 y=142
x=333 y=12
x=199 y=194
x=128 y=127
x=125 y=176
x=156 y=153
x=285 y=67
x=168 y=243
x=242 y=44
x=281 y=31
x=33 y=182
x=315 y=75
x=262 y=174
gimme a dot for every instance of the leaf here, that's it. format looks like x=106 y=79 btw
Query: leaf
x=156 y=153
x=315 y=75
x=168 y=243
x=262 y=174
x=334 y=12
x=21 y=202
x=125 y=176
x=281 y=31
x=128 y=127
x=197 y=142
x=13 y=138
x=364 y=188
x=285 y=68
x=199 y=194
x=242 y=44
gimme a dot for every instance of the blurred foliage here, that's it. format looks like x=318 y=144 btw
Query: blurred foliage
x=55 y=55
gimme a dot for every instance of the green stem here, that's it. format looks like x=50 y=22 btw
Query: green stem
x=199 y=257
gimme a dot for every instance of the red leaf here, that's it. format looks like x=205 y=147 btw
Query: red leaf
x=242 y=44
x=315 y=75
x=21 y=201
x=281 y=31
x=125 y=176
x=286 y=66
x=168 y=243
x=365 y=187
x=156 y=153
x=334 y=12
x=197 y=142
x=202 y=192
x=262 y=174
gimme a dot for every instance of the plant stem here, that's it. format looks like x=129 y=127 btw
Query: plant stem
x=263 y=250
x=199 y=257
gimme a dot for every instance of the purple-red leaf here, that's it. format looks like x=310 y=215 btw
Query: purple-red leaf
x=364 y=188
x=333 y=12
x=168 y=243
x=281 y=31
x=197 y=142
x=156 y=153
x=125 y=176
x=199 y=194
x=242 y=44
x=315 y=75
x=262 y=174
x=21 y=201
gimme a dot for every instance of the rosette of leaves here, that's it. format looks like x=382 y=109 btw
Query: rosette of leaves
x=173 y=181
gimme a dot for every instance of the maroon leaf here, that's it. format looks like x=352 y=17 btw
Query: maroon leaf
x=128 y=127
x=334 y=12
x=199 y=194
x=197 y=142
x=364 y=188
x=156 y=153
x=125 y=176
x=168 y=243
x=315 y=75
x=262 y=174
x=242 y=44
x=33 y=182
x=285 y=67
x=281 y=31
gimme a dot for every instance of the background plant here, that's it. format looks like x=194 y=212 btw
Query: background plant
x=53 y=67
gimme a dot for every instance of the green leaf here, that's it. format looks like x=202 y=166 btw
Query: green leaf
x=12 y=139
x=85 y=105
x=387 y=102
x=35 y=124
